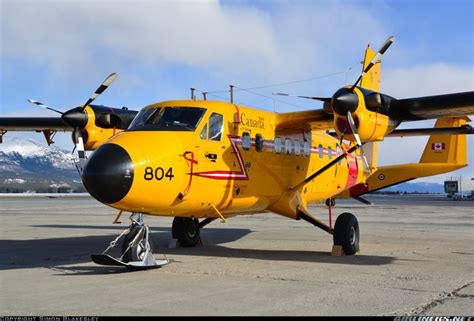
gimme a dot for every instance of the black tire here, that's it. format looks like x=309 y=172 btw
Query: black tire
x=134 y=253
x=332 y=200
x=187 y=231
x=346 y=233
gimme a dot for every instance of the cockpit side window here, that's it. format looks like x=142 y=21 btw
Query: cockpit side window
x=216 y=126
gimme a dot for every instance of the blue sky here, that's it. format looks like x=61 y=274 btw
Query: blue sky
x=58 y=52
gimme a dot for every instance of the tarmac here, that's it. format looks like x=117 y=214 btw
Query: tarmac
x=416 y=258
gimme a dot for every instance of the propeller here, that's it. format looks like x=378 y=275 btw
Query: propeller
x=377 y=58
x=77 y=118
x=105 y=84
x=345 y=99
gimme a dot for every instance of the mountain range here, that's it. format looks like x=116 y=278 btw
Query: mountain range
x=27 y=165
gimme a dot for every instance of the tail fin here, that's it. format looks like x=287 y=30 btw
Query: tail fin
x=371 y=80
x=442 y=154
x=446 y=148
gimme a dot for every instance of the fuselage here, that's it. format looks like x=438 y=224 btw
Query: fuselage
x=219 y=156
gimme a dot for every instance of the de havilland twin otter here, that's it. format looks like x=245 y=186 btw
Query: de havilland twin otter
x=201 y=160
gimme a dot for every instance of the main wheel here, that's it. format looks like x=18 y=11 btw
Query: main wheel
x=346 y=233
x=137 y=252
x=187 y=231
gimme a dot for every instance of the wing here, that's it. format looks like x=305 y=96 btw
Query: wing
x=431 y=107
x=304 y=120
x=33 y=124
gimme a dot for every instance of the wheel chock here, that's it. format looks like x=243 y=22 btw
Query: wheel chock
x=337 y=250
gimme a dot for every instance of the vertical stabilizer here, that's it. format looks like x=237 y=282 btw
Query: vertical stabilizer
x=446 y=148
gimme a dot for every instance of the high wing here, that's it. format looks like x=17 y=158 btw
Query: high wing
x=34 y=124
x=304 y=120
x=398 y=110
x=431 y=107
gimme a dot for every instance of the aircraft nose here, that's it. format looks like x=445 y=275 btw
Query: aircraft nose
x=108 y=173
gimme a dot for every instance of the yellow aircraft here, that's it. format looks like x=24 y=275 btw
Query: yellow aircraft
x=201 y=160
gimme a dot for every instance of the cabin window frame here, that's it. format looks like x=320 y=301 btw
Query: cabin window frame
x=297 y=145
x=320 y=150
x=288 y=146
x=203 y=131
x=259 y=143
x=277 y=145
x=306 y=149
x=246 y=141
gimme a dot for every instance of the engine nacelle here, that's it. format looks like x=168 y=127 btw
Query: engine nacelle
x=100 y=123
x=369 y=111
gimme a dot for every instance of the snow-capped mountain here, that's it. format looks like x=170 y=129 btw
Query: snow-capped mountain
x=26 y=164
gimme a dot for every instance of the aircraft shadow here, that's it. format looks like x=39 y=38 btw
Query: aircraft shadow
x=55 y=253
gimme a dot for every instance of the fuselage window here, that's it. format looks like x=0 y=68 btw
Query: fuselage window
x=203 y=134
x=288 y=146
x=277 y=145
x=329 y=152
x=216 y=126
x=258 y=143
x=297 y=147
x=245 y=141
x=307 y=149
x=321 y=151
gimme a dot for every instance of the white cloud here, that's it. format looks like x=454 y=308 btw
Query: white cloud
x=240 y=42
x=426 y=80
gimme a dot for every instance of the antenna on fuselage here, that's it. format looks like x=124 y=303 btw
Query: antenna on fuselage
x=193 y=97
x=204 y=95
x=231 y=94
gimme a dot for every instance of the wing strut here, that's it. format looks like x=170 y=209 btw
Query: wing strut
x=326 y=167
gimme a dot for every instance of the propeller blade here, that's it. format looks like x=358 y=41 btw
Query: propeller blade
x=100 y=90
x=351 y=122
x=80 y=149
x=305 y=97
x=43 y=106
x=377 y=58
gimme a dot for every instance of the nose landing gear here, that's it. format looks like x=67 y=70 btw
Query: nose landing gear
x=136 y=248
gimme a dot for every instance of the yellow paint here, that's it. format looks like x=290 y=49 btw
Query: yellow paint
x=262 y=178
x=96 y=136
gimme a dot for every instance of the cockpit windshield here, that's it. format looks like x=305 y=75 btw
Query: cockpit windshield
x=168 y=118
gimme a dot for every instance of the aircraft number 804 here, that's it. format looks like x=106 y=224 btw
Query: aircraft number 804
x=158 y=173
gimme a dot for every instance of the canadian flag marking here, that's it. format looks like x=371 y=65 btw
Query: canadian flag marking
x=438 y=146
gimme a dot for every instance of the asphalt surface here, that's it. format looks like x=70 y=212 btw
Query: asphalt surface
x=416 y=259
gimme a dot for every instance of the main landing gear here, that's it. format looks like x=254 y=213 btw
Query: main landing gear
x=345 y=232
x=136 y=248
x=187 y=230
